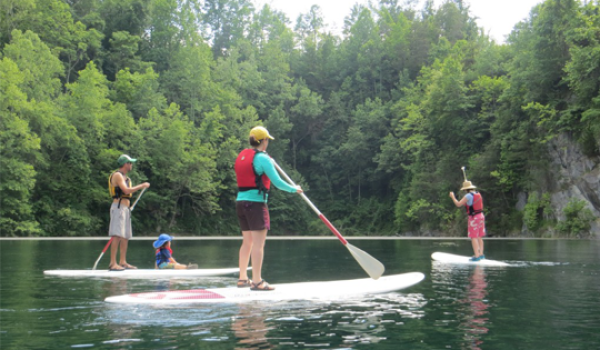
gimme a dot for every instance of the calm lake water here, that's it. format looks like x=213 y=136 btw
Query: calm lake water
x=547 y=299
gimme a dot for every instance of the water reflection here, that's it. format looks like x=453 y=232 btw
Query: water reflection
x=115 y=286
x=117 y=334
x=462 y=301
x=475 y=319
x=324 y=324
x=250 y=329
x=269 y=325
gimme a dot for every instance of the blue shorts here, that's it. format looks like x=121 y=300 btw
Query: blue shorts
x=166 y=265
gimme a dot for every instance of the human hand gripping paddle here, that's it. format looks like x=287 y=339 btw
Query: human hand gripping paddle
x=371 y=265
x=110 y=240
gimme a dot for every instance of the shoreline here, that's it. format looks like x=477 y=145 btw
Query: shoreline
x=291 y=238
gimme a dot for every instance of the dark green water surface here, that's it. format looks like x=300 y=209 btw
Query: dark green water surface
x=549 y=298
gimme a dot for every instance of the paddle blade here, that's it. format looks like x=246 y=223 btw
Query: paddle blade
x=371 y=265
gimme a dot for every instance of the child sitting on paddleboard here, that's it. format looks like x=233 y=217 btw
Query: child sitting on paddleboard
x=164 y=254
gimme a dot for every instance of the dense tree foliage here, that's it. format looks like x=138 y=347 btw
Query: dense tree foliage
x=375 y=123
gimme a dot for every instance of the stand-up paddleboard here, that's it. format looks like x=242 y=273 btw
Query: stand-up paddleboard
x=459 y=259
x=331 y=290
x=143 y=273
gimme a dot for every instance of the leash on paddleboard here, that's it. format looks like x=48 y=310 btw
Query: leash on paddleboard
x=110 y=240
x=371 y=265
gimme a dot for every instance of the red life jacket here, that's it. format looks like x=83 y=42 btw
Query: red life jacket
x=477 y=206
x=247 y=178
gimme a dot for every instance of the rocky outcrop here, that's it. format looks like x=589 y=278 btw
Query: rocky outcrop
x=573 y=175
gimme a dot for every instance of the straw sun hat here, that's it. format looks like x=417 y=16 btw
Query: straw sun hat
x=467 y=185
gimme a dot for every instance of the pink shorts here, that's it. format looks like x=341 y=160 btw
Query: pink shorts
x=477 y=226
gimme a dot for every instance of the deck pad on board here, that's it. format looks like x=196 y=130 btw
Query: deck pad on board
x=459 y=259
x=331 y=290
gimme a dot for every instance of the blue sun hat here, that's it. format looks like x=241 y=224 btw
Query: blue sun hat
x=162 y=239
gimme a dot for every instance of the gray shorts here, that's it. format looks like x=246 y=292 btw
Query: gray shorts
x=120 y=221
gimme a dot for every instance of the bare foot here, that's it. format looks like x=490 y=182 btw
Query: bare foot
x=116 y=268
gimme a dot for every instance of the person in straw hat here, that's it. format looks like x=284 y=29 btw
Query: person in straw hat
x=473 y=202
x=254 y=172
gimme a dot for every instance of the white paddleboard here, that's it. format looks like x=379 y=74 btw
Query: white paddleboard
x=459 y=259
x=331 y=290
x=143 y=273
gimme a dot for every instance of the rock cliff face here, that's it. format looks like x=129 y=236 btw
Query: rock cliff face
x=573 y=175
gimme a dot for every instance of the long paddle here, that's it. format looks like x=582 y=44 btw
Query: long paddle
x=371 y=265
x=110 y=240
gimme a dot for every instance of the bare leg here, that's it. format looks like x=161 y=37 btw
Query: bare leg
x=258 y=238
x=179 y=266
x=114 y=247
x=244 y=259
x=480 y=246
x=475 y=244
x=123 y=247
x=123 y=260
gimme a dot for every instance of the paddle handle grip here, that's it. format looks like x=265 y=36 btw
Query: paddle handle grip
x=312 y=206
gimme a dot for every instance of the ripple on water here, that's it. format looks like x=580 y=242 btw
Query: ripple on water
x=118 y=341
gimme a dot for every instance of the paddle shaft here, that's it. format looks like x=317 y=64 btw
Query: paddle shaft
x=313 y=207
x=371 y=265
x=103 y=251
x=110 y=240
x=137 y=200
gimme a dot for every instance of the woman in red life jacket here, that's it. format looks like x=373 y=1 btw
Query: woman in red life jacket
x=254 y=173
x=473 y=202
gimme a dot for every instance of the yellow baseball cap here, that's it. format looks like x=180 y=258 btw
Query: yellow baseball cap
x=260 y=133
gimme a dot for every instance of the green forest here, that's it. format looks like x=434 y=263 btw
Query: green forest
x=374 y=123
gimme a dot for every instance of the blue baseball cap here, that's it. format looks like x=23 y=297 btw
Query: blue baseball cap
x=162 y=239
